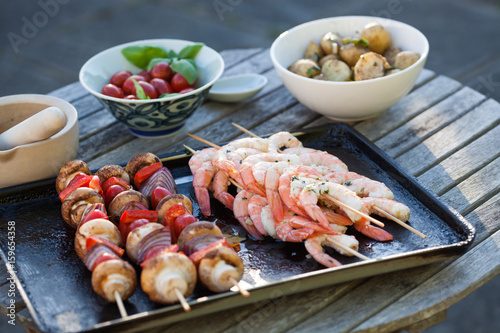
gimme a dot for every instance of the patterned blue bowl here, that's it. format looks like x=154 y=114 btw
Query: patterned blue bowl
x=153 y=118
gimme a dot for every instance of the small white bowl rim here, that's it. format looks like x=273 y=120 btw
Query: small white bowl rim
x=423 y=56
x=143 y=101
x=42 y=99
x=262 y=82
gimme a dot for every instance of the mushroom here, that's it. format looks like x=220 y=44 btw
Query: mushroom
x=76 y=202
x=336 y=70
x=117 y=206
x=96 y=227
x=313 y=51
x=378 y=37
x=405 y=59
x=114 y=275
x=112 y=170
x=171 y=200
x=196 y=229
x=164 y=274
x=370 y=66
x=305 y=67
x=390 y=54
x=139 y=162
x=350 y=53
x=219 y=268
x=136 y=235
x=330 y=43
x=68 y=171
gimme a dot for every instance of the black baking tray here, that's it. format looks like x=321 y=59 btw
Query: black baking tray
x=56 y=286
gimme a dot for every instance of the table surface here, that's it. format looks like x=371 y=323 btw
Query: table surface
x=443 y=133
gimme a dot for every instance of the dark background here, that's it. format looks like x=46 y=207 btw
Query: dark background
x=43 y=44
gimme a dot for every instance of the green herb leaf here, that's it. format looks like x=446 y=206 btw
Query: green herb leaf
x=186 y=69
x=169 y=95
x=142 y=55
x=171 y=54
x=139 y=92
x=155 y=61
x=190 y=52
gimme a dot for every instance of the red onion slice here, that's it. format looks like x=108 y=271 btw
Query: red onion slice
x=94 y=253
x=160 y=237
x=161 y=178
x=134 y=205
x=199 y=242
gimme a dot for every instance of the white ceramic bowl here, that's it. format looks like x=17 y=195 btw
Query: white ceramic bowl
x=152 y=118
x=42 y=159
x=353 y=100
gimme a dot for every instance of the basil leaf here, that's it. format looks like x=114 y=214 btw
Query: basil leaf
x=171 y=54
x=190 y=52
x=140 y=56
x=169 y=95
x=186 y=69
x=155 y=61
x=139 y=92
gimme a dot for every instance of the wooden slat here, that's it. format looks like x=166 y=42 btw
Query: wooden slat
x=234 y=57
x=412 y=104
x=463 y=163
x=451 y=138
x=71 y=92
x=428 y=122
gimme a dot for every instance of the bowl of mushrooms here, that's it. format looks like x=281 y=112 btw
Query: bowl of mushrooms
x=350 y=68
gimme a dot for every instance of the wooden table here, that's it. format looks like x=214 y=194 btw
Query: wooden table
x=445 y=134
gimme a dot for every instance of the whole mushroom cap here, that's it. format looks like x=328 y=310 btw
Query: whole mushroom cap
x=117 y=205
x=139 y=162
x=112 y=170
x=114 y=275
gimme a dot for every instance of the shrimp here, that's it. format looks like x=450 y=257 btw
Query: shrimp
x=271 y=184
x=322 y=158
x=282 y=139
x=220 y=185
x=310 y=195
x=200 y=157
x=291 y=182
x=394 y=208
x=230 y=158
x=301 y=222
x=366 y=228
x=256 y=143
x=240 y=209
x=299 y=150
x=255 y=206
x=335 y=218
x=314 y=245
x=363 y=186
x=246 y=170
x=201 y=181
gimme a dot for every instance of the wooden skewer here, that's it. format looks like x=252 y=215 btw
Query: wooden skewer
x=348 y=249
x=119 y=302
x=242 y=291
x=401 y=223
x=343 y=205
x=203 y=140
x=244 y=130
x=182 y=300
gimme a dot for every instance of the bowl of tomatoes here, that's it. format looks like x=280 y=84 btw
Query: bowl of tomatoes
x=152 y=86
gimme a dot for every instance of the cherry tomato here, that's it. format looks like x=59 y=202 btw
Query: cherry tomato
x=126 y=228
x=119 y=77
x=162 y=70
x=149 y=90
x=179 y=83
x=171 y=215
x=130 y=97
x=185 y=91
x=112 y=90
x=111 y=193
x=158 y=194
x=146 y=74
x=143 y=174
x=181 y=222
x=129 y=87
x=161 y=86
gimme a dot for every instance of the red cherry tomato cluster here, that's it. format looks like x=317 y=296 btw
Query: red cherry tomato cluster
x=158 y=81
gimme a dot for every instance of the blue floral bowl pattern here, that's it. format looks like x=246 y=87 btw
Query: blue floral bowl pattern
x=153 y=118
x=156 y=118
